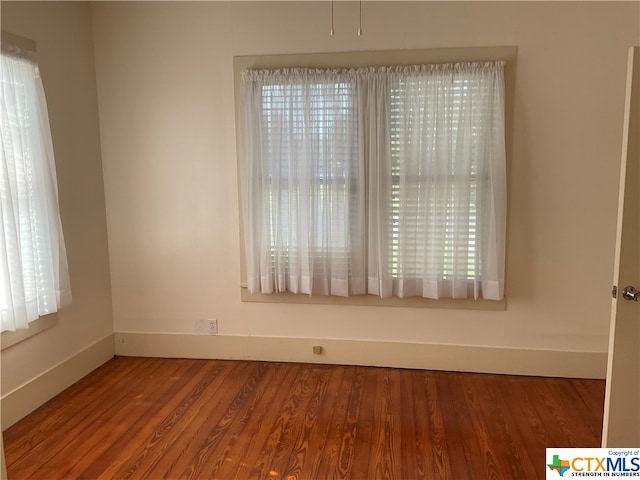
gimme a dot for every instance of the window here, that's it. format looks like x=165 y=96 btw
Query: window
x=33 y=276
x=308 y=182
x=447 y=166
x=387 y=180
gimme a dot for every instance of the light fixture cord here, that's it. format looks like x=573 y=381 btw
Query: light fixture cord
x=332 y=32
x=360 y=24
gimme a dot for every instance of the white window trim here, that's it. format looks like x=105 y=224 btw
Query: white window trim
x=9 y=339
x=507 y=54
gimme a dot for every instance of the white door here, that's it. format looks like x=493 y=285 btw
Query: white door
x=621 y=426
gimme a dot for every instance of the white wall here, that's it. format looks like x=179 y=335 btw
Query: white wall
x=165 y=90
x=63 y=35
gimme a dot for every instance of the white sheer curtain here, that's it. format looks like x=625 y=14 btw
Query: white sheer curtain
x=33 y=277
x=303 y=181
x=437 y=183
x=426 y=144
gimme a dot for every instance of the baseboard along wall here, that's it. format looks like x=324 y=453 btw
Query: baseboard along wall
x=462 y=358
x=21 y=401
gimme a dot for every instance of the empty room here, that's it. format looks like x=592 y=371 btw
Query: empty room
x=320 y=239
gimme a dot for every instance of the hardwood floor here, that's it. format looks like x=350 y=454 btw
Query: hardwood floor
x=164 y=418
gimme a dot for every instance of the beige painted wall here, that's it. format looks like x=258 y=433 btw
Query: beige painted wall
x=165 y=90
x=62 y=32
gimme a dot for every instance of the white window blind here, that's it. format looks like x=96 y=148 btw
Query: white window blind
x=33 y=277
x=305 y=209
x=421 y=155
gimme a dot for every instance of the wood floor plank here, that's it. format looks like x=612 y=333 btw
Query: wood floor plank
x=138 y=429
x=343 y=418
x=522 y=402
x=300 y=451
x=584 y=405
x=385 y=458
x=274 y=445
x=566 y=424
x=124 y=424
x=50 y=418
x=62 y=441
x=464 y=456
x=320 y=429
x=181 y=418
x=235 y=445
x=517 y=444
x=437 y=449
x=503 y=437
x=484 y=418
x=289 y=433
x=366 y=429
x=211 y=454
x=413 y=448
x=259 y=428
x=184 y=424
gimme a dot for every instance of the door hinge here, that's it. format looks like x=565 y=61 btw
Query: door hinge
x=614 y=291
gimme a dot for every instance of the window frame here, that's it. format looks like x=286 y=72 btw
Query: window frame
x=508 y=54
x=10 y=338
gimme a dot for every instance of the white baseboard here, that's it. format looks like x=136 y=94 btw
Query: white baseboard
x=23 y=400
x=547 y=363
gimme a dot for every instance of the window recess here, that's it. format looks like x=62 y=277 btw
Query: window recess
x=378 y=181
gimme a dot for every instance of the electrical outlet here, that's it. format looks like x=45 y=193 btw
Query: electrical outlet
x=205 y=327
x=212 y=326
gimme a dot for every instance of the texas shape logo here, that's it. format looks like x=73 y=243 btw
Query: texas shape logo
x=558 y=465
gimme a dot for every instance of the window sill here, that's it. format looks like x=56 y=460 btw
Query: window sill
x=10 y=339
x=375 y=301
